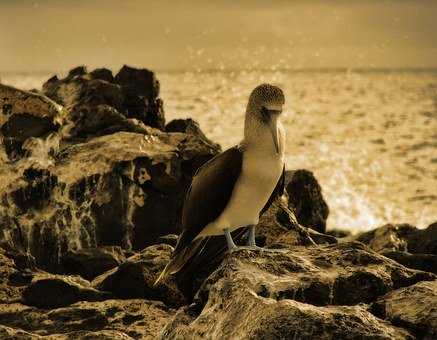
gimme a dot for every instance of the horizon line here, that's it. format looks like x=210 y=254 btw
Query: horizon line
x=262 y=69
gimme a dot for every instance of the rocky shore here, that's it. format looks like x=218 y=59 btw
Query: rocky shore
x=92 y=181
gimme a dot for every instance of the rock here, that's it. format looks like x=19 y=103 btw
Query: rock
x=425 y=262
x=301 y=292
x=91 y=262
x=102 y=120
x=118 y=102
x=76 y=92
x=52 y=291
x=16 y=334
x=77 y=71
x=102 y=74
x=306 y=199
x=110 y=319
x=141 y=91
x=23 y=115
x=279 y=225
x=388 y=237
x=404 y=243
x=338 y=233
x=123 y=189
x=135 y=278
x=12 y=280
x=424 y=241
x=191 y=127
x=254 y=317
x=413 y=308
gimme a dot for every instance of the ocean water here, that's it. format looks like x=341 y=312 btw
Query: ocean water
x=370 y=137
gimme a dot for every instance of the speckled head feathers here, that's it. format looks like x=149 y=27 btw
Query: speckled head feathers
x=266 y=95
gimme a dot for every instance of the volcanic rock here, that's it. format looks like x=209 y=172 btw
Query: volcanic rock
x=191 y=127
x=404 y=243
x=306 y=199
x=91 y=262
x=25 y=114
x=110 y=319
x=141 y=90
x=52 y=291
x=388 y=237
x=295 y=293
x=413 y=308
x=135 y=278
x=102 y=74
x=425 y=262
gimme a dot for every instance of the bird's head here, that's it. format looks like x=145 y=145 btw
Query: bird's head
x=265 y=105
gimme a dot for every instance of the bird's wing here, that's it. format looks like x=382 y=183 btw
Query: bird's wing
x=277 y=192
x=209 y=193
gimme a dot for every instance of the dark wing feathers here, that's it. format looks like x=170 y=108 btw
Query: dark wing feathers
x=209 y=193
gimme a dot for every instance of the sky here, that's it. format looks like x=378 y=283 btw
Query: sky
x=55 y=35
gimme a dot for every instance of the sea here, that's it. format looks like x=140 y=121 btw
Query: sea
x=369 y=136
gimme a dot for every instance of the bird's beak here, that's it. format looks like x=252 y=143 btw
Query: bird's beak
x=274 y=131
x=273 y=125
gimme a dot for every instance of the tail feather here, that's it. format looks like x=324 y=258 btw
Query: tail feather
x=179 y=259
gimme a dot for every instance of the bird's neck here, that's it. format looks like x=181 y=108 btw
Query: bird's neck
x=258 y=137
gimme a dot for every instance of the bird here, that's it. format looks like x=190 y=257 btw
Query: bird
x=231 y=190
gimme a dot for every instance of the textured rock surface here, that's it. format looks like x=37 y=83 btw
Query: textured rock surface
x=110 y=319
x=91 y=262
x=52 y=291
x=135 y=277
x=103 y=179
x=306 y=199
x=280 y=294
x=25 y=115
x=413 y=307
x=404 y=243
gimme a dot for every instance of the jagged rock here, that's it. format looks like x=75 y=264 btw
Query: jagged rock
x=279 y=221
x=122 y=189
x=52 y=291
x=189 y=126
x=91 y=262
x=413 y=308
x=76 y=92
x=12 y=280
x=338 y=233
x=404 y=243
x=77 y=71
x=388 y=237
x=16 y=334
x=424 y=241
x=110 y=319
x=23 y=115
x=298 y=293
x=306 y=199
x=101 y=120
x=141 y=91
x=135 y=278
x=425 y=262
x=102 y=74
x=132 y=95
